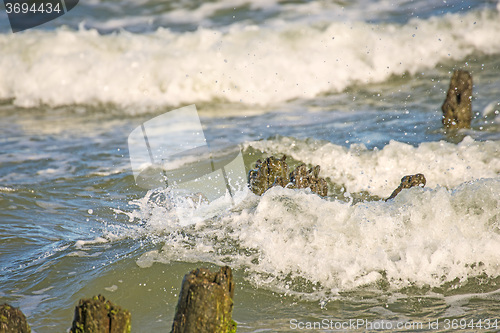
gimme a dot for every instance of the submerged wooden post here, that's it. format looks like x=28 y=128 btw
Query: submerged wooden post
x=12 y=320
x=205 y=302
x=457 y=107
x=408 y=182
x=96 y=315
x=274 y=172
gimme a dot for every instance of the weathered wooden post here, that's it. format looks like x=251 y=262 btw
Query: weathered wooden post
x=457 y=107
x=205 y=302
x=12 y=320
x=408 y=182
x=96 y=315
x=274 y=172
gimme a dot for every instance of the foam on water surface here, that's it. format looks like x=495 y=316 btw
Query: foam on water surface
x=379 y=171
x=294 y=241
x=252 y=64
x=425 y=237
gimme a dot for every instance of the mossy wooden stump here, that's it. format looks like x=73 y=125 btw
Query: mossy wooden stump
x=205 y=302
x=12 y=320
x=457 y=107
x=274 y=172
x=409 y=182
x=96 y=315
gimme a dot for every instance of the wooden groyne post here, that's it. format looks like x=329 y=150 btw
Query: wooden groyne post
x=205 y=306
x=97 y=315
x=409 y=182
x=12 y=320
x=205 y=302
x=457 y=107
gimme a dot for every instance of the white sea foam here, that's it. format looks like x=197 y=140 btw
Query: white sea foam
x=6 y=189
x=82 y=244
x=378 y=172
x=252 y=64
x=425 y=237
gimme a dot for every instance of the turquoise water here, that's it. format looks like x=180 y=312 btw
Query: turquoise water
x=272 y=81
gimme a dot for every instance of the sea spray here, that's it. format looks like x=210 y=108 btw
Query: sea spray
x=424 y=237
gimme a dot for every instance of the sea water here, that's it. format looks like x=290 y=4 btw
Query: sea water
x=353 y=87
